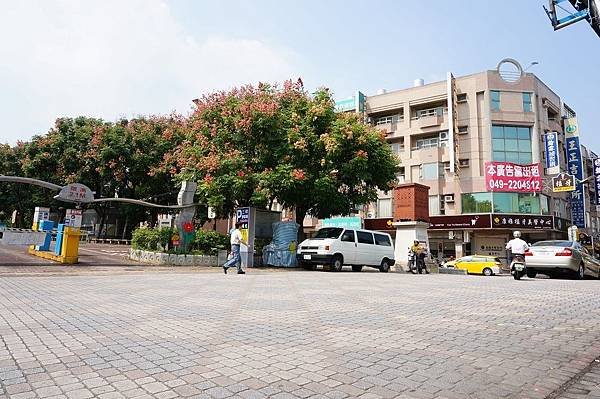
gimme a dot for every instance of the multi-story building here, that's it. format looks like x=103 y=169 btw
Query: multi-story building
x=493 y=117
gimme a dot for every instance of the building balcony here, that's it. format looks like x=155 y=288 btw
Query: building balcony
x=427 y=121
x=430 y=117
x=554 y=125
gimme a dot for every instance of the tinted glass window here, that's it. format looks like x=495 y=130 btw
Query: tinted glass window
x=364 y=237
x=329 y=232
x=382 y=239
x=348 y=236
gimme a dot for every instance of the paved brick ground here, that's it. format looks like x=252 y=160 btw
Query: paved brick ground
x=295 y=335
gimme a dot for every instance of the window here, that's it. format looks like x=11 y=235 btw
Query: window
x=434 y=205
x=431 y=171
x=438 y=140
x=476 y=203
x=463 y=129
x=511 y=144
x=428 y=142
x=384 y=208
x=461 y=98
x=388 y=119
x=364 y=237
x=397 y=147
x=516 y=203
x=382 y=239
x=463 y=163
x=328 y=232
x=401 y=175
x=422 y=113
x=495 y=100
x=545 y=204
x=348 y=236
x=527 y=102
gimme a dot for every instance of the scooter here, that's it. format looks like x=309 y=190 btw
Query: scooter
x=412 y=262
x=517 y=267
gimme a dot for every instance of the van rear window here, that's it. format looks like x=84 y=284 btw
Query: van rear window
x=382 y=239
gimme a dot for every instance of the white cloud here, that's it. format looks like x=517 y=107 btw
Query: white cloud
x=115 y=58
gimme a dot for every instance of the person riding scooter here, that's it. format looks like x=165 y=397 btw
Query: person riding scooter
x=516 y=245
x=517 y=248
x=420 y=253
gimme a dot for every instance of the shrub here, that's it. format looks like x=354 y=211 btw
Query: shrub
x=151 y=239
x=209 y=242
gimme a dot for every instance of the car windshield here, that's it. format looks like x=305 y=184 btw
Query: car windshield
x=553 y=243
x=328 y=232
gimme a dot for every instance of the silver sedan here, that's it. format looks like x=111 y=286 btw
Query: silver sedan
x=554 y=257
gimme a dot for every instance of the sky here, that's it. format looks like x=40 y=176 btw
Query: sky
x=123 y=58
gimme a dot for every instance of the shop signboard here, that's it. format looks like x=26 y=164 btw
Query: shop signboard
x=345 y=105
x=525 y=222
x=597 y=179
x=356 y=103
x=563 y=182
x=380 y=224
x=482 y=221
x=348 y=222
x=552 y=153
x=575 y=167
x=513 y=178
x=571 y=127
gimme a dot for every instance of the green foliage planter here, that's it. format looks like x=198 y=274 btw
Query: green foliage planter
x=159 y=241
x=149 y=239
x=165 y=259
x=209 y=242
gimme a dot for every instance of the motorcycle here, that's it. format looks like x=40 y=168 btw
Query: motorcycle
x=416 y=264
x=517 y=267
x=412 y=262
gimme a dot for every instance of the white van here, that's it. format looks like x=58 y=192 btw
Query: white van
x=337 y=247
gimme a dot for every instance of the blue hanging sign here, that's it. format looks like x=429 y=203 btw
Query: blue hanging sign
x=575 y=168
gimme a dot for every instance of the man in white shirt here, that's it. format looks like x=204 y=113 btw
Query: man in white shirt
x=516 y=245
x=236 y=240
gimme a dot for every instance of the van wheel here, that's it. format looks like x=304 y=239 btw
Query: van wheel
x=385 y=266
x=337 y=264
x=488 y=272
x=356 y=268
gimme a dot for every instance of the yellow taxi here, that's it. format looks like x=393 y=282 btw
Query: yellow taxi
x=477 y=264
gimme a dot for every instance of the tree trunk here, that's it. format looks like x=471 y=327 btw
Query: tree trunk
x=300 y=215
x=101 y=210
x=125 y=227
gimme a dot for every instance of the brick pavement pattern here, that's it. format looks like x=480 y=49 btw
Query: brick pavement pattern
x=294 y=335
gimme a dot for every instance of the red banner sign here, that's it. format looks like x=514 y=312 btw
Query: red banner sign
x=513 y=178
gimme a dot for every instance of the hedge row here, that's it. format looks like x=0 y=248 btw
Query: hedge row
x=205 y=242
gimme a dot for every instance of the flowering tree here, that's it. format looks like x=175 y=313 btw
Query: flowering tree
x=253 y=145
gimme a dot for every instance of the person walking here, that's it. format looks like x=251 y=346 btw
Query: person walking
x=236 y=240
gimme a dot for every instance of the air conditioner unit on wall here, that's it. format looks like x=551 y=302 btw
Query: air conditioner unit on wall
x=449 y=198
x=443 y=135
